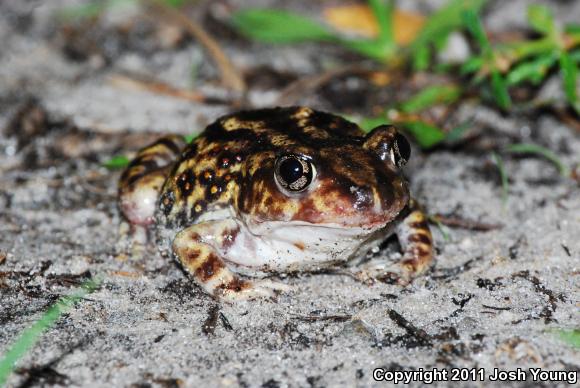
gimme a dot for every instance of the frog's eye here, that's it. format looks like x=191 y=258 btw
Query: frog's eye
x=388 y=144
x=294 y=173
x=400 y=151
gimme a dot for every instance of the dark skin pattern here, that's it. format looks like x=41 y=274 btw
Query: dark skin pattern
x=232 y=162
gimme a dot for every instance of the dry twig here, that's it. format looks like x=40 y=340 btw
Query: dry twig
x=230 y=76
x=456 y=222
x=307 y=84
x=138 y=82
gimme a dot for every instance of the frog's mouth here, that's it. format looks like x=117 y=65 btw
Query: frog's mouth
x=296 y=245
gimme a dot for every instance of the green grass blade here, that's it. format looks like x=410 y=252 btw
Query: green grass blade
x=575 y=56
x=447 y=18
x=383 y=12
x=498 y=84
x=541 y=19
x=442 y=228
x=116 y=162
x=500 y=91
x=278 y=26
x=475 y=27
x=30 y=336
x=534 y=149
x=503 y=177
x=372 y=48
x=572 y=28
x=95 y=8
x=433 y=95
x=175 y=3
x=190 y=138
x=472 y=65
x=528 y=48
x=571 y=337
x=569 y=71
x=438 y=27
x=534 y=71
x=421 y=57
x=83 y=11
x=370 y=123
x=426 y=135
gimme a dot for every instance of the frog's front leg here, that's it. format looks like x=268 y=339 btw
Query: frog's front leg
x=416 y=243
x=141 y=183
x=199 y=248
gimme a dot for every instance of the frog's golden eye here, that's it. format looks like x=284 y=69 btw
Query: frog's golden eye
x=294 y=173
x=400 y=151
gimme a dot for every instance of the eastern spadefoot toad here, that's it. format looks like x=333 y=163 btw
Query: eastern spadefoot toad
x=275 y=190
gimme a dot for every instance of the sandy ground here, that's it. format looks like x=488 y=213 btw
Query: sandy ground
x=493 y=300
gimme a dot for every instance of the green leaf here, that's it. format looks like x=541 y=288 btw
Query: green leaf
x=439 y=25
x=421 y=57
x=541 y=19
x=116 y=162
x=526 y=48
x=30 y=336
x=372 y=48
x=94 y=8
x=569 y=71
x=534 y=71
x=534 y=149
x=572 y=28
x=475 y=27
x=426 y=135
x=503 y=176
x=384 y=46
x=383 y=12
x=571 y=337
x=82 y=11
x=176 y=3
x=277 y=26
x=368 y=124
x=440 y=94
x=499 y=90
x=190 y=138
x=442 y=228
x=575 y=56
x=472 y=65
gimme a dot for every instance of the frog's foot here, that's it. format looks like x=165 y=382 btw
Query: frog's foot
x=417 y=245
x=132 y=240
x=199 y=248
x=391 y=274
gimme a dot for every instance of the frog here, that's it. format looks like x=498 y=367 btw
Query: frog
x=272 y=191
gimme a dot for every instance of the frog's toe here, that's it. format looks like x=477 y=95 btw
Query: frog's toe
x=393 y=274
x=260 y=289
x=276 y=286
x=133 y=240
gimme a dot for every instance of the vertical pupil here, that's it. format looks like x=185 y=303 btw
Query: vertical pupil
x=291 y=170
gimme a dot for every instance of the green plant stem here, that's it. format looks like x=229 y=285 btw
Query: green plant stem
x=504 y=178
x=30 y=336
